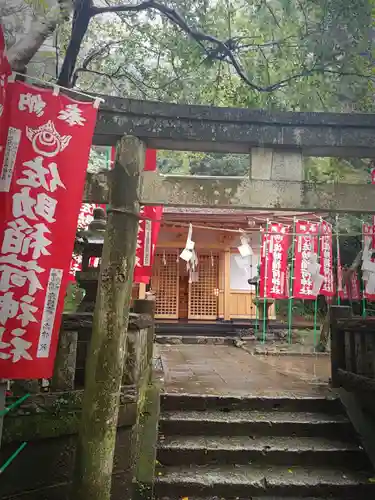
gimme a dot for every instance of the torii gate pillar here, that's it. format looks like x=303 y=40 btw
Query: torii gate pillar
x=274 y=165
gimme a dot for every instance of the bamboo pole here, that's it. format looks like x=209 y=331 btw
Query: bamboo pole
x=104 y=366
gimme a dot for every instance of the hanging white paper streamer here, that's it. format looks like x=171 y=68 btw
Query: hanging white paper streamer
x=241 y=262
x=317 y=280
x=194 y=276
x=245 y=248
x=186 y=255
x=313 y=267
x=369 y=266
x=187 y=252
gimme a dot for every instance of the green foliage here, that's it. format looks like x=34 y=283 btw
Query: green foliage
x=325 y=42
x=147 y=56
x=99 y=159
x=73 y=297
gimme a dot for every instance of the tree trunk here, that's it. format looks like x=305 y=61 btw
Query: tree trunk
x=81 y=20
x=21 y=53
x=104 y=366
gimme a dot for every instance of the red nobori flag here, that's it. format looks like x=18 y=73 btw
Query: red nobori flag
x=306 y=245
x=350 y=290
x=275 y=262
x=342 y=289
x=263 y=260
x=326 y=260
x=368 y=232
x=148 y=231
x=355 y=288
x=41 y=189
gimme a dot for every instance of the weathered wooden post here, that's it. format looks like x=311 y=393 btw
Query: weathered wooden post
x=144 y=306
x=104 y=368
x=337 y=340
x=65 y=362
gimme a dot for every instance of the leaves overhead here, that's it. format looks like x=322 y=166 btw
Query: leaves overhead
x=280 y=54
x=302 y=55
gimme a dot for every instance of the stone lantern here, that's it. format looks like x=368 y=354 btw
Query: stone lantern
x=262 y=304
x=89 y=243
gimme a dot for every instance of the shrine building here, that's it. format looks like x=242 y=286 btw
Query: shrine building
x=219 y=288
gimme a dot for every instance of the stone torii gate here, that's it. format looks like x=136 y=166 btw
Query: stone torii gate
x=276 y=144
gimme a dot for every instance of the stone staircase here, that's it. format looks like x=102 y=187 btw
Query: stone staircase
x=268 y=448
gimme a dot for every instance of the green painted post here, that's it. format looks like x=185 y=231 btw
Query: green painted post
x=364 y=314
x=257 y=287
x=13 y=405
x=264 y=334
x=291 y=277
x=316 y=300
x=337 y=259
x=12 y=457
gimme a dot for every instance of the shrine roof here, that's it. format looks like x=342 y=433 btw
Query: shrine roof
x=224 y=214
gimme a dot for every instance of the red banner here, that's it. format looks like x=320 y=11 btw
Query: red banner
x=40 y=194
x=148 y=231
x=342 y=290
x=368 y=232
x=274 y=263
x=263 y=257
x=355 y=287
x=306 y=245
x=326 y=260
x=347 y=291
x=351 y=290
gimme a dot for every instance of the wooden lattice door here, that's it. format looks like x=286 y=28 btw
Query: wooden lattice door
x=165 y=284
x=203 y=294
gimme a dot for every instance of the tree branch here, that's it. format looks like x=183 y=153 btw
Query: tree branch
x=83 y=12
x=214 y=48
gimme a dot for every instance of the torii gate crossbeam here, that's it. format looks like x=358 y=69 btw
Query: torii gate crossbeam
x=232 y=130
x=275 y=142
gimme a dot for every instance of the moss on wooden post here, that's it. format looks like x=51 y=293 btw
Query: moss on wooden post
x=104 y=368
x=65 y=362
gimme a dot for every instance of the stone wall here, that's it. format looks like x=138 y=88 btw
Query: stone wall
x=49 y=423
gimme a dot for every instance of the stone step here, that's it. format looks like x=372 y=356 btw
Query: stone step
x=185 y=402
x=195 y=339
x=288 y=451
x=246 y=481
x=258 y=498
x=269 y=423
